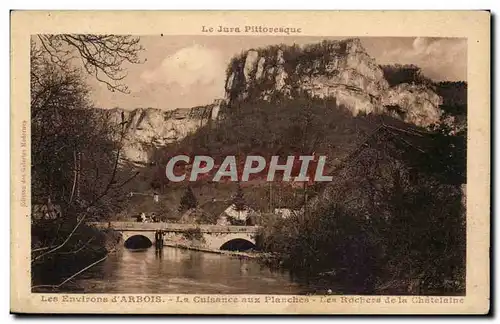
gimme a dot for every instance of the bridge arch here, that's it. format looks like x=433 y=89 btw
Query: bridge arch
x=138 y=241
x=237 y=244
x=213 y=237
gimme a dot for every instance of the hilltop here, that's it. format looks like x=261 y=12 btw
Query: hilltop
x=341 y=70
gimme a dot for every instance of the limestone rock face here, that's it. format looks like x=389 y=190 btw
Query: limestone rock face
x=250 y=61
x=147 y=129
x=332 y=69
x=417 y=103
x=260 y=68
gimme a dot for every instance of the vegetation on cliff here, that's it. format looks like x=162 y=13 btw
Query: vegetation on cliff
x=404 y=73
x=289 y=127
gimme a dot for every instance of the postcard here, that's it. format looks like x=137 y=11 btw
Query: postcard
x=250 y=162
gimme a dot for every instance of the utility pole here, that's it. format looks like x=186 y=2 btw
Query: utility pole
x=78 y=177
x=305 y=198
x=270 y=197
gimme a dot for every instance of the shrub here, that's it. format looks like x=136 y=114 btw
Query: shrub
x=193 y=234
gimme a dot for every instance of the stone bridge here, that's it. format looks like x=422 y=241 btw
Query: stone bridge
x=212 y=237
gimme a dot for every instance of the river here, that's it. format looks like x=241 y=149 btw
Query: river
x=179 y=271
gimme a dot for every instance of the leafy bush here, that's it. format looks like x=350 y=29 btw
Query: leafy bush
x=193 y=234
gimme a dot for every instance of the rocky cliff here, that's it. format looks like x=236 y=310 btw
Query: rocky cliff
x=342 y=70
x=150 y=128
x=336 y=69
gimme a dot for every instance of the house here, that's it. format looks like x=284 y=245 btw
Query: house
x=46 y=211
x=220 y=212
x=285 y=212
x=238 y=215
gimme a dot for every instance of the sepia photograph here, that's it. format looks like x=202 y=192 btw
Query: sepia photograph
x=249 y=163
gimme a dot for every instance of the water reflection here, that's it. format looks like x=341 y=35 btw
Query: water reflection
x=176 y=270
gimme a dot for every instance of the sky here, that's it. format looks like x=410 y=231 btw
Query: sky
x=187 y=71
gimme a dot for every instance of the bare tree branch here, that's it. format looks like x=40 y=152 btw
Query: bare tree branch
x=80 y=248
x=63 y=243
x=101 y=56
x=74 y=177
x=74 y=275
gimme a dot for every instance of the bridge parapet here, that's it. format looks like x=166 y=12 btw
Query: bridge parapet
x=175 y=227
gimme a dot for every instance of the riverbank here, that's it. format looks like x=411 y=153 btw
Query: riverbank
x=83 y=249
x=250 y=255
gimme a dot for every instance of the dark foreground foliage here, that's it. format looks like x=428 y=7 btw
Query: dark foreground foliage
x=85 y=246
x=382 y=226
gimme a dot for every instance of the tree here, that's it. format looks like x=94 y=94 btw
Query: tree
x=65 y=127
x=188 y=201
x=75 y=148
x=239 y=200
x=102 y=56
x=406 y=73
x=391 y=217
